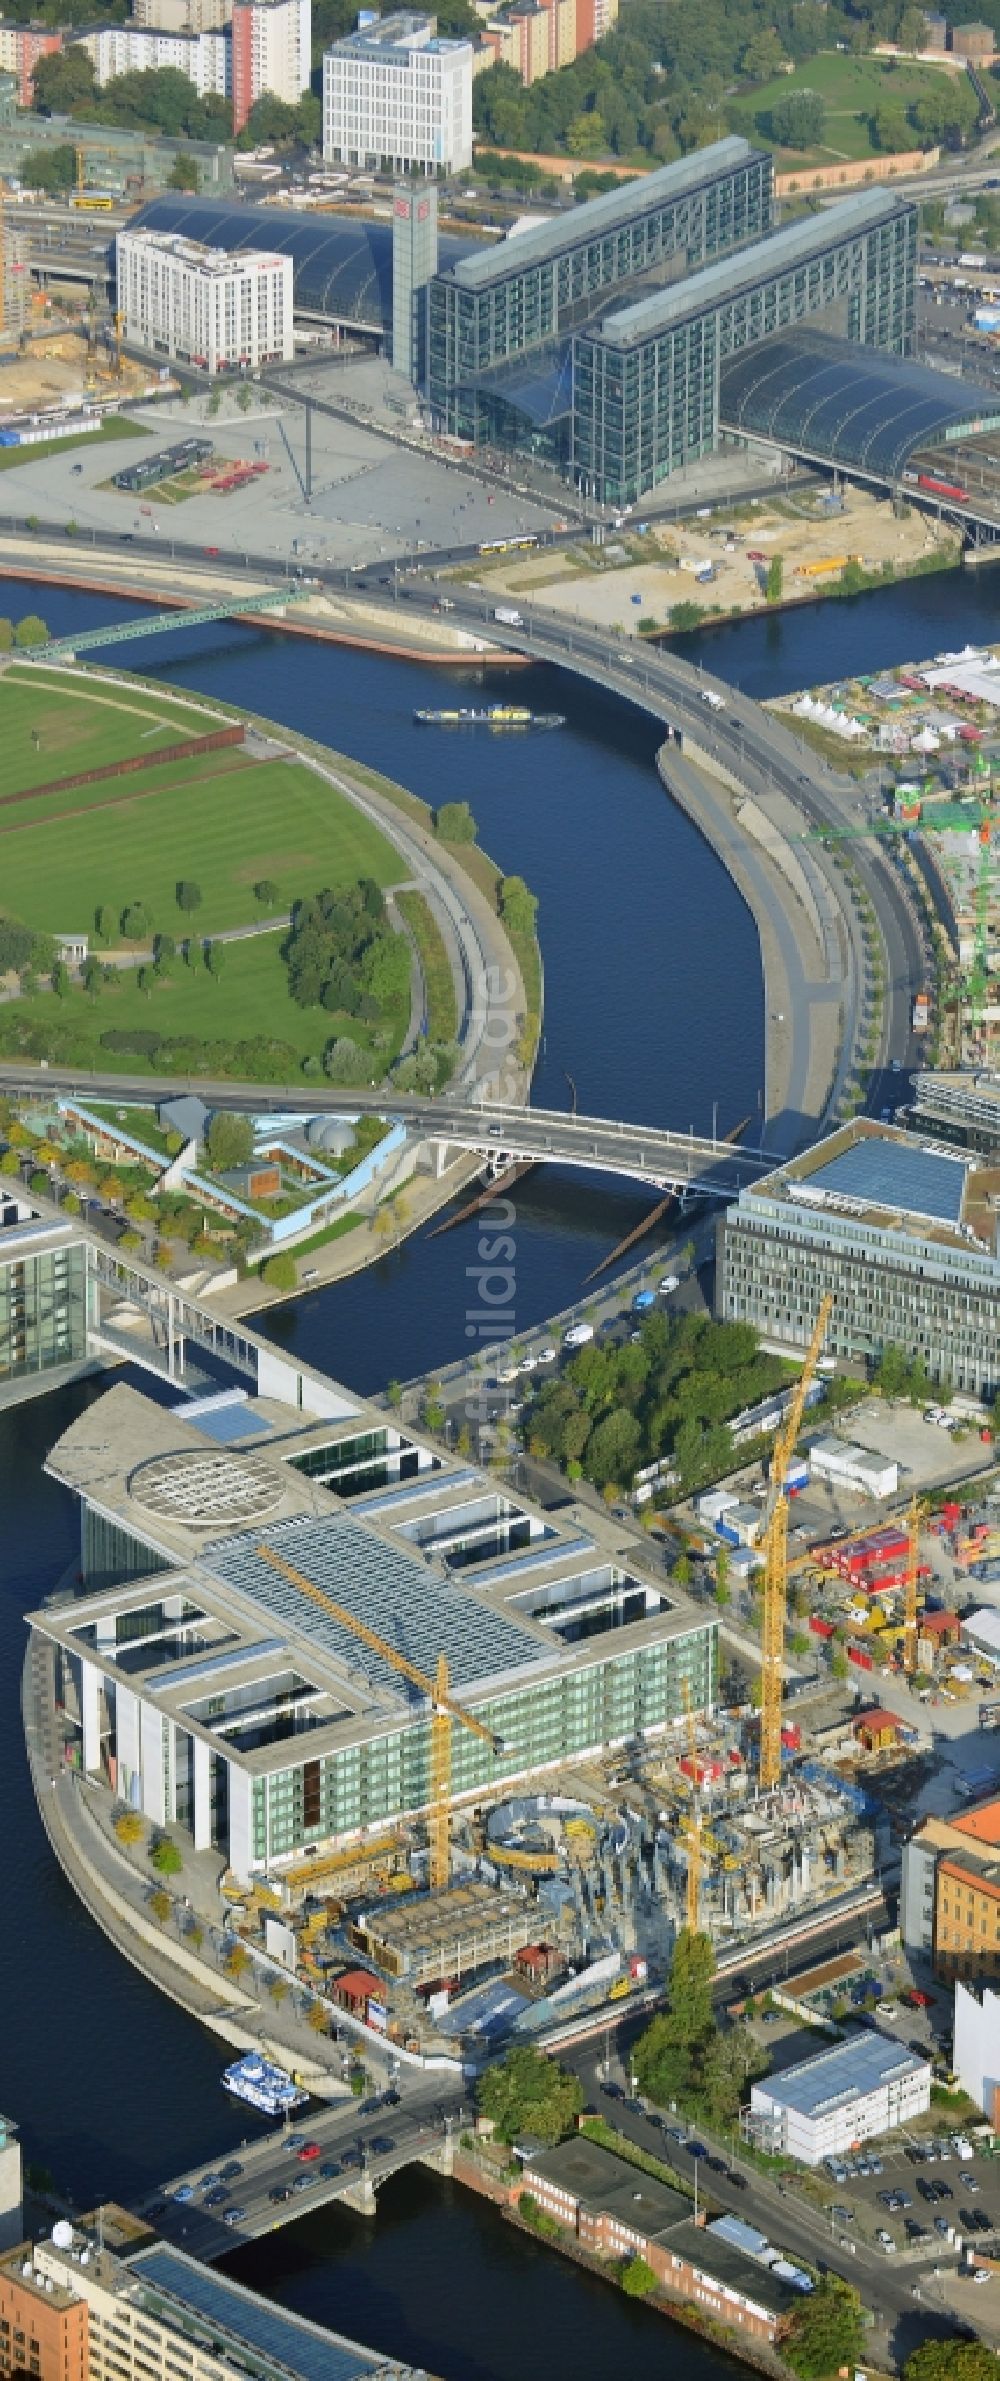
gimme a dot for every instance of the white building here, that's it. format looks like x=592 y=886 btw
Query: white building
x=272 y=51
x=977 y=2046
x=847 y=1466
x=183 y=16
x=395 y=95
x=855 y=2091
x=142 y=49
x=224 y=312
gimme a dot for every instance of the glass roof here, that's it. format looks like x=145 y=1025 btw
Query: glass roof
x=342 y=265
x=539 y=385
x=765 y=260
x=278 y=2340
x=847 y=404
x=898 y=1175
x=409 y=1602
x=604 y=214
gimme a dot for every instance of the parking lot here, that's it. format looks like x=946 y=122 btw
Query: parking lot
x=922 y=2194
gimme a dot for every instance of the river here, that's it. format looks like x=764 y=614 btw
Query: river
x=653 y=1004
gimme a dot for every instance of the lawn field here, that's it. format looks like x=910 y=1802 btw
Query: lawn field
x=852 y=89
x=220 y=819
x=248 y=1002
x=114 y=425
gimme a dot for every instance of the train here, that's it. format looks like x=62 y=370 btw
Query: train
x=948 y=488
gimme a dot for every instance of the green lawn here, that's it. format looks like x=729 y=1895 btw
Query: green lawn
x=221 y=820
x=249 y=1000
x=851 y=89
x=114 y=425
x=80 y=726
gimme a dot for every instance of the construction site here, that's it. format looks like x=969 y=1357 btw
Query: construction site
x=449 y=1765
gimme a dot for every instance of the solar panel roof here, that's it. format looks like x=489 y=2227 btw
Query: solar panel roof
x=899 y=1175
x=845 y=403
x=410 y=1603
x=850 y=2068
x=284 y=2340
x=225 y=1423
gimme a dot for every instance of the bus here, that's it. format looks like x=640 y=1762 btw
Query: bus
x=507 y=545
x=93 y=202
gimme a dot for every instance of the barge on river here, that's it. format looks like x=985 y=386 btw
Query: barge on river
x=495 y=715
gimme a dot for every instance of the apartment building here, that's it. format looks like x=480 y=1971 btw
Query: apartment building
x=43 y=2324
x=537 y=36
x=950 y=1901
x=394 y=95
x=223 y=312
x=142 y=49
x=21 y=46
x=271 y=52
x=183 y=16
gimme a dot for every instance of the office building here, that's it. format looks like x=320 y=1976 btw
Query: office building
x=950 y=1896
x=202 y=1676
x=904 y=1237
x=855 y=2091
x=397 y=97
x=646 y=376
x=522 y=297
x=143 y=49
x=43 y=1297
x=959 y=1107
x=157 y=2315
x=271 y=52
x=223 y=313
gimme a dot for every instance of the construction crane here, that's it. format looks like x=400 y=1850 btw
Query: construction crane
x=444 y=1709
x=914 y=1519
x=694 y=1845
x=776 y=1558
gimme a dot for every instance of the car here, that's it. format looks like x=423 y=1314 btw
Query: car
x=888 y=2010
x=844 y=2215
x=309 y=2150
x=548 y=1354
x=917 y=1998
x=884 y=2238
x=888 y=2199
x=382 y=2145
x=945 y=2152
x=931 y=2154
x=229 y=2172
x=183 y=2193
x=836 y=2169
x=390 y=2099
x=234 y=2216
x=614 y=2091
x=874 y=2165
x=351 y=2157
x=928 y=2191
x=718 y=2165
x=208 y=2181
x=981 y=2273
x=696 y=2149
x=280 y=2191
x=740 y=2180
x=305 y=2182
x=904 y=2198
x=916 y=2231
x=771 y=2017
x=330 y=2170
x=217 y=2197
x=943 y=2191
x=969 y=2182
x=294 y=2141
x=942 y=2226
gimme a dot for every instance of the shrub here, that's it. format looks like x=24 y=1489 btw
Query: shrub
x=129 y=1827
x=166 y=1856
x=281 y=1272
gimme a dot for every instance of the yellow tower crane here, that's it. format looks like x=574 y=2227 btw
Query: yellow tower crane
x=444 y=1709
x=776 y=1559
x=694 y=1844
x=914 y=1519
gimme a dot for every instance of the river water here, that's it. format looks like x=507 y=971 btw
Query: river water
x=653 y=1004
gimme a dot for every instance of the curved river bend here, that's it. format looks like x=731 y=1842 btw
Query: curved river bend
x=653 y=1003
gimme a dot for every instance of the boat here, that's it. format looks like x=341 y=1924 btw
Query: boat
x=263 y=2086
x=495 y=715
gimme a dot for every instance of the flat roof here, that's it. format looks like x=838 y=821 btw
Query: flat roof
x=848 y=2071
x=612 y=2184
x=604 y=214
x=779 y=253
x=899 y=1175
x=286 y=2342
x=868 y=1175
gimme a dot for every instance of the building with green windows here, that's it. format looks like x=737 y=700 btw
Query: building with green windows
x=501 y=319
x=43 y=1297
x=207 y=1672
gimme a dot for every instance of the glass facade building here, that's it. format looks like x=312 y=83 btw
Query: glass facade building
x=646 y=378
x=529 y=294
x=43 y=1301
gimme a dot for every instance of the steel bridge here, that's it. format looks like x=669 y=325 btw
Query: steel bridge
x=159 y=624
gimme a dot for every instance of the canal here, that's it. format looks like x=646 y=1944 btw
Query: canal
x=653 y=1004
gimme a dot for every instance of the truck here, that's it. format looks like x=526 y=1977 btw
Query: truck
x=921 y=1012
x=506 y=616
x=715 y=701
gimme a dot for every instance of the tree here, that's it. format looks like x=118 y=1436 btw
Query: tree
x=184 y=174
x=722 y=1578
x=280 y=1272
x=164 y=949
x=61 y=80
x=826 y=2331
x=215 y=957
x=50 y=169
x=528 y=2093
x=911 y=32
x=762 y=56
x=166 y=1856
x=279 y=1989
x=229 y=1140
x=518 y=907
x=797 y=122
x=891 y=130
x=951 y=2360
x=30 y=630
x=129 y=1827
x=106 y=923
x=17 y=944
x=237 y=1961
x=346 y=1062
x=775 y=579
x=266 y=892
x=187 y=894
x=93 y=974
x=60 y=978
x=454 y=823
x=160 y=1904
x=135 y=922
x=637 y=2278
x=318 y=2018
